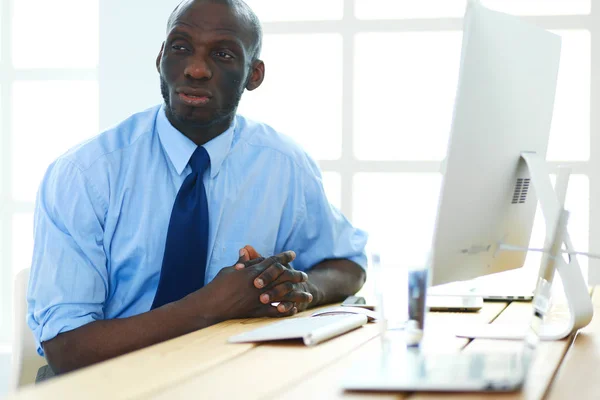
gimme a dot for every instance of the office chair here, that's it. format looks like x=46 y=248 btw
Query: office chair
x=25 y=360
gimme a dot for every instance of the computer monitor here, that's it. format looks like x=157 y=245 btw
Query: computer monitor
x=503 y=107
x=495 y=172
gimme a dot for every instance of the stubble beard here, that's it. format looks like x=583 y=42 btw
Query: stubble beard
x=220 y=114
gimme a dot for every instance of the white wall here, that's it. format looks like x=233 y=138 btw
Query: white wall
x=127 y=74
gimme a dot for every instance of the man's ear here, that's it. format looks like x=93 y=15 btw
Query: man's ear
x=257 y=75
x=159 y=57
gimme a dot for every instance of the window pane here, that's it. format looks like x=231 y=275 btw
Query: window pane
x=296 y=100
x=570 y=133
x=405 y=86
x=398 y=211
x=406 y=9
x=22 y=242
x=68 y=114
x=426 y=86
x=55 y=34
x=294 y=10
x=540 y=7
x=332 y=181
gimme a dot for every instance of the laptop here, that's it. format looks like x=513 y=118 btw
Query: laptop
x=450 y=302
x=514 y=286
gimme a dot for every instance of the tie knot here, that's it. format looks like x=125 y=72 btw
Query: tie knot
x=199 y=160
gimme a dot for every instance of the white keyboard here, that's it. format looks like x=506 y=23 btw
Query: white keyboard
x=312 y=330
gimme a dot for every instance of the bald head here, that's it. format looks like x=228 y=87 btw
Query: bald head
x=240 y=9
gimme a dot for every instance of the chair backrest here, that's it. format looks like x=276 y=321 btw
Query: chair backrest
x=25 y=360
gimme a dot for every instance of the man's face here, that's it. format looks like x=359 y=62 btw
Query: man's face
x=205 y=65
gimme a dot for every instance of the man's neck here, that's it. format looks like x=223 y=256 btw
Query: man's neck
x=202 y=134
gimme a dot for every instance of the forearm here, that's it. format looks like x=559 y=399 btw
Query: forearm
x=333 y=280
x=105 y=339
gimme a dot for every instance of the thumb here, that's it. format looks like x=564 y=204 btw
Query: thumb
x=252 y=254
x=244 y=256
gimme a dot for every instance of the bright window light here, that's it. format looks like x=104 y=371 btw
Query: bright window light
x=410 y=9
x=407 y=9
x=22 y=242
x=570 y=132
x=540 y=7
x=302 y=92
x=55 y=34
x=332 y=182
x=398 y=210
x=48 y=118
x=294 y=10
x=405 y=84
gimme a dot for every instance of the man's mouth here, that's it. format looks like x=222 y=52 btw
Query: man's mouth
x=194 y=100
x=194 y=97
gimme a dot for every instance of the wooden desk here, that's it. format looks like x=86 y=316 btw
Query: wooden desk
x=203 y=365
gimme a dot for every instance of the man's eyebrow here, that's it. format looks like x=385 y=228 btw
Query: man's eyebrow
x=229 y=40
x=179 y=32
x=225 y=36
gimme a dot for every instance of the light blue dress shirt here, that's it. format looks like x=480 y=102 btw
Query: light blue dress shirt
x=103 y=211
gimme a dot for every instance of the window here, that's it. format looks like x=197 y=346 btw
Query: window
x=59 y=40
x=570 y=132
x=69 y=115
x=48 y=103
x=393 y=9
x=294 y=10
x=401 y=79
x=302 y=91
x=358 y=90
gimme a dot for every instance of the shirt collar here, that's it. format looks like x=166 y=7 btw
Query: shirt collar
x=180 y=148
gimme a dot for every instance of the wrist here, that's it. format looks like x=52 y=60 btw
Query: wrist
x=198 y=310
x=316 y=293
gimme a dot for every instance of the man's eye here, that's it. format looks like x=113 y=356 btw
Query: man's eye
x=223 y=54
x=177 y=47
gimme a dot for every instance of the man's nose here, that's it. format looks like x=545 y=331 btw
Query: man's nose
x=198 y=68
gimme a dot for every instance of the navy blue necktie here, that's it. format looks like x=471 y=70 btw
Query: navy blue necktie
x=184 y=262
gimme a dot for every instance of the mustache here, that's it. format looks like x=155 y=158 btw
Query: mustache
x=228 y=108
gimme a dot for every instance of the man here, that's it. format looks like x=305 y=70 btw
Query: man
x=136 y=230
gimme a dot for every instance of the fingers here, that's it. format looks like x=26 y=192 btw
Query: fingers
x=247 y=255
x=285 y=306
x=286 y=292
x=273 y=312
x=246 y=264
x=251 y=252
x=244 y=257
x=286 y=257
x=275 y=268
x=245 y=261
x=290 y=275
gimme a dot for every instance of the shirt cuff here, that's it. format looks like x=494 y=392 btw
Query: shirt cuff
x=57 y=323
x=361 y=260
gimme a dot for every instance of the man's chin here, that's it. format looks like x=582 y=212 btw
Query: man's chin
x=197 y=117
x=197 y=122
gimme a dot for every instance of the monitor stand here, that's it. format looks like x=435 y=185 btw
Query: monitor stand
x=576 y=291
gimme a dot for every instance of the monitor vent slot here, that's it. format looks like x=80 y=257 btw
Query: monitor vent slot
x=521 y=190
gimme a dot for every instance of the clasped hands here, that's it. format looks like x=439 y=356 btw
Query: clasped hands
x=248 y=288
x=279 y=282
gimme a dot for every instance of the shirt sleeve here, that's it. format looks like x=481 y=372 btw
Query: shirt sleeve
x=321 y=231
x=69 y=279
